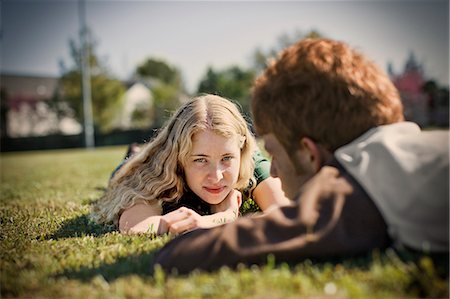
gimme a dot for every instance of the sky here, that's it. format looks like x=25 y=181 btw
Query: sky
x=193 y=35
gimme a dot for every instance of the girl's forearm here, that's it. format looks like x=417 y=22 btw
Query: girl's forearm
x=148 y=225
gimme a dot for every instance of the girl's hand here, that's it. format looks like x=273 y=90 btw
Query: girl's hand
x=232 y=203
x=180 y=221
x=185 y=219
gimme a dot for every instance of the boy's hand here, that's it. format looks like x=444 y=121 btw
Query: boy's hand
x=326 y=184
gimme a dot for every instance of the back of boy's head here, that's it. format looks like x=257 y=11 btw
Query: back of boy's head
x=324 y=90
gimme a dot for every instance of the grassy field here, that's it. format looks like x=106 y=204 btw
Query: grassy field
x=50 y=249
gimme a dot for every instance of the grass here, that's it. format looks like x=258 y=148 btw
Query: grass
x=50 y=249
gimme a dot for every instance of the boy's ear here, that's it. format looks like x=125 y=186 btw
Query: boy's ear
x=313 y=153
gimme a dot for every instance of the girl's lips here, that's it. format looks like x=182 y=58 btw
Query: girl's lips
x=214 y=190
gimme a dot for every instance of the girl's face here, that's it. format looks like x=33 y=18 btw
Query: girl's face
x=212 y=169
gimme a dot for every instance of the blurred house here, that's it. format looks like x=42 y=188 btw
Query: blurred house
x=424 y=102
x=28 y=108
x=138 y=106
x=409 y=84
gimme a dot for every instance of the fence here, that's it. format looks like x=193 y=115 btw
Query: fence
x=8 y=144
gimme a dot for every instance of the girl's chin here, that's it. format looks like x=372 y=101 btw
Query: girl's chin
x=214 y=199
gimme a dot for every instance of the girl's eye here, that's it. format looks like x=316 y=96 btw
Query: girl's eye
x=227 y=158
x=200 y=160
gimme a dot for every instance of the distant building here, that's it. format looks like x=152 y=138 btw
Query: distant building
x=29 y=107
x=139 y=110
x=410 y=85
x=423 y=102
x=28 y=110
x=138 y=106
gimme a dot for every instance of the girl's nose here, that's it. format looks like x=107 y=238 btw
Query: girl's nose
x=215 y=173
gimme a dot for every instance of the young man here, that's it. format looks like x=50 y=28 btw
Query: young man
x=361 y=177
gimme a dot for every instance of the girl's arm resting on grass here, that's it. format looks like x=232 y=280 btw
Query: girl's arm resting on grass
x=140 y=218
x=269 y=194
x=144 y=218
x=185 y=219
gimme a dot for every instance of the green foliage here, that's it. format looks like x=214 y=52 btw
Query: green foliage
x=249 y=206
x=106 y=92
x=49 y=247
x=142 y=117
x=167 y=87
x=167 y=100
x=261 y=57
x=107 y=97
x=233 y=83
x=161 y=70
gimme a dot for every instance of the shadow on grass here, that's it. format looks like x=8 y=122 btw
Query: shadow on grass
x=81 y=225
x=138 y=264
x=78 y=227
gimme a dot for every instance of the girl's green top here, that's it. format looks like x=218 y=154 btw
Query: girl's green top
x=262 y=167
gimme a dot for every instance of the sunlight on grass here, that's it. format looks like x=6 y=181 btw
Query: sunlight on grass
x=51 y=249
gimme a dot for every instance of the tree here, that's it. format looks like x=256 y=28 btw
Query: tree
x=438 y=103
x=262 y=57
x=166 y=85
x=3 y=111
x=161 y=70
x=233 y=83
x=167 y=99
x=107 y=92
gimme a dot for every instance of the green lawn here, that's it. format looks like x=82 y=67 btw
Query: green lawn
x=50 y=249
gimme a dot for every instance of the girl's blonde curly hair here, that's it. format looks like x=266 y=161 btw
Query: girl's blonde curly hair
x=156 y=173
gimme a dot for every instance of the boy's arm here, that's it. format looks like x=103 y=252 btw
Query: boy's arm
x=352 y=226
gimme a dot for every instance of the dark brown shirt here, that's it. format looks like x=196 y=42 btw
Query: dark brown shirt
x=359 y=229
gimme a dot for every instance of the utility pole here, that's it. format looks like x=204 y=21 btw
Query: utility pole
x=86 y=79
